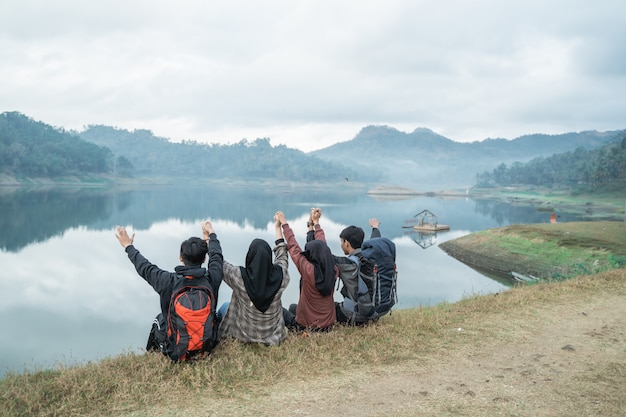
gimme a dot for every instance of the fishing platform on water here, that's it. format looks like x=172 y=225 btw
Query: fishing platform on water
x=426 y=221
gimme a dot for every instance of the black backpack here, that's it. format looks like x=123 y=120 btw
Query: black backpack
x=381 y=253
x=191 y=326
x=358 y=303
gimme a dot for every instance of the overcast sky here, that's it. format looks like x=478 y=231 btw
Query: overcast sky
x=308 y=74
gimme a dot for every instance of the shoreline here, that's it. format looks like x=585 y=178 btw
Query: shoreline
x=595 y=205
x=549 y=251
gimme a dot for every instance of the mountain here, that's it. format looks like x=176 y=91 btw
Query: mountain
x=425 y=161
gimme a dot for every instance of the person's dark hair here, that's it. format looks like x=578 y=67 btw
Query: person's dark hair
x=193 y=251
x=354 y=235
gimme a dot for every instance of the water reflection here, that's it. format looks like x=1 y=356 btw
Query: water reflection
x=72 y=295
x=30 y=216
x=423 y=239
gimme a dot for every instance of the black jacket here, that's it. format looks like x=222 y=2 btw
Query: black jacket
x=166 y=283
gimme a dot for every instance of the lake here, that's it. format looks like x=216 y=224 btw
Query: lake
x=71 y=295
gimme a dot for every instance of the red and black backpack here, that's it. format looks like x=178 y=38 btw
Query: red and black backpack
x=191 y=322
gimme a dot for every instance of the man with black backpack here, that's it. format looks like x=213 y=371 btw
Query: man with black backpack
x=186 y=326
x=357 y=276
x=367 y=295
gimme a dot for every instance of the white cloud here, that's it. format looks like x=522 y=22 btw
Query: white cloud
x=309 y=74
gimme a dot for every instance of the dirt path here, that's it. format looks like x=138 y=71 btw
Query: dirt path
x=566 y=360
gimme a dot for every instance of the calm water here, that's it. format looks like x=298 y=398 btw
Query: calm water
x=71 y=294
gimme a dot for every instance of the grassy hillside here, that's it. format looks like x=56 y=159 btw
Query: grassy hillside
x=548 y=251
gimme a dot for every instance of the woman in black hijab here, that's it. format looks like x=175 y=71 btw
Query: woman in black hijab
x=316 y=306
x=261 y=277
x=318 y=253
x=254 y=313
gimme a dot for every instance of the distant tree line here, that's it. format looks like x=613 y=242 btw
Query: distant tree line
x=595 y=167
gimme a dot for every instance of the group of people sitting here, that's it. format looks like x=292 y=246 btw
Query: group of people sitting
x=255 y=312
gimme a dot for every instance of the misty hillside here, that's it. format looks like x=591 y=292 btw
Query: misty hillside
x=31 y=150
x=421 y=160
x=157 y=157
x=425 y=161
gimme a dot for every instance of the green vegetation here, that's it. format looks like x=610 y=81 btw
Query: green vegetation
x=33 y=149
x=604 y=167
x=549 y=251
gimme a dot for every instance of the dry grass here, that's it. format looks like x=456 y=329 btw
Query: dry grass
x=240 y=372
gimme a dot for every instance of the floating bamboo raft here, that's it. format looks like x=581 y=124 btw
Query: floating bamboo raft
x=426 y=221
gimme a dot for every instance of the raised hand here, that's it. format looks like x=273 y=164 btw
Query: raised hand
x=207 y=229
x=279 y=217
x=122 y=236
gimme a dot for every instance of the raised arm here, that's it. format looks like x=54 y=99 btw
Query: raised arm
x=278 y=225
x=158 y=278
x=292 y=244
x=374 y=223
x=280 y=250
x=310 y=234
x=316 y=214
x=215 y=266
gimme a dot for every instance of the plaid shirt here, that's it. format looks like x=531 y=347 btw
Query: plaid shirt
x=242 y=319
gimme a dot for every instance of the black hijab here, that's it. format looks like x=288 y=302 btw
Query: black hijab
x=260 y=276
x=318 y=253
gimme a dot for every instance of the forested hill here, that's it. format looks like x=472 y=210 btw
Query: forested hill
x=603 y=167
x=424 y=160
x=36 y=150
x=31 y=149
x=152 y=156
